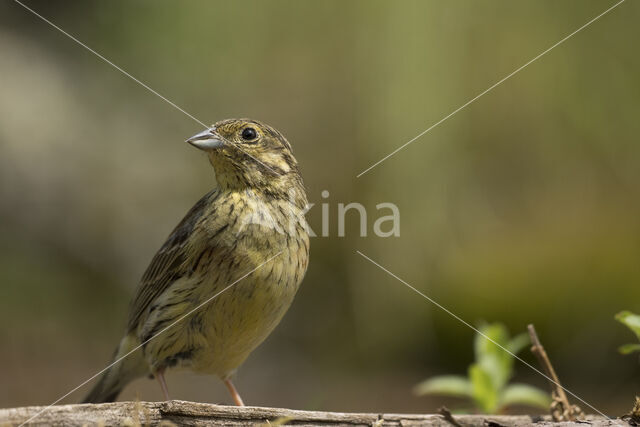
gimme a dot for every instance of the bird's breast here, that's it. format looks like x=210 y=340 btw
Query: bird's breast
x=260 y=258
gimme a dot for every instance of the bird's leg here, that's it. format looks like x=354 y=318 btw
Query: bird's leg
x=234 y=393
x=163 y=384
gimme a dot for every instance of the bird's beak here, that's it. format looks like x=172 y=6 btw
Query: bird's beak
x=206 y=140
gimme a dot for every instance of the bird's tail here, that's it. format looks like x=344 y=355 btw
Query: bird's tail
x=115 y=378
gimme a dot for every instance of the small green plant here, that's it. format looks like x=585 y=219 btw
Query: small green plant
x=487 y=384
x=632 y=321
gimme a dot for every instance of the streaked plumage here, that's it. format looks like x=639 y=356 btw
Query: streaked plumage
x=256 y=213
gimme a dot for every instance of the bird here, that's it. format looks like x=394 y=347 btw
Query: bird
x=227 y=273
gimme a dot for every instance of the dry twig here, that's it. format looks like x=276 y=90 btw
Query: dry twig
x=180 y=413
x=633 y=418
x=561 y=409
x=446 y=414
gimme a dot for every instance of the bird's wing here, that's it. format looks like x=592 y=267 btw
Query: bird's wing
x=168 y=264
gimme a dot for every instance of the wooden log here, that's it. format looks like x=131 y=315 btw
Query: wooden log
x=181 y=413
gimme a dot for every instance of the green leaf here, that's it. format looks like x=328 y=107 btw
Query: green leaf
x=496 y=333
x=484 y=392
x=631 y=320
x=518 y=342
x=629 y=348
x=495 y=361
x=448 y=385
x=523 y=394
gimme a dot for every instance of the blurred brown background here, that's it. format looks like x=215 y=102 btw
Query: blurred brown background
x=524 y=207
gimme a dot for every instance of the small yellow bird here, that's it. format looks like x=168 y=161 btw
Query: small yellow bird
x=228 y=272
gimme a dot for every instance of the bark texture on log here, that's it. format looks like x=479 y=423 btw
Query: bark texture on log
x=181 y=413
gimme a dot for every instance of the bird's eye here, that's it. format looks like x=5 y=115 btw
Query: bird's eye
x=249 y=134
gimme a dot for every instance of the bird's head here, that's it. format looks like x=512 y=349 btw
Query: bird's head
x=249 y=154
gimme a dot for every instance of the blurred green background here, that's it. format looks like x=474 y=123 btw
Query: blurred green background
x=524 y=207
